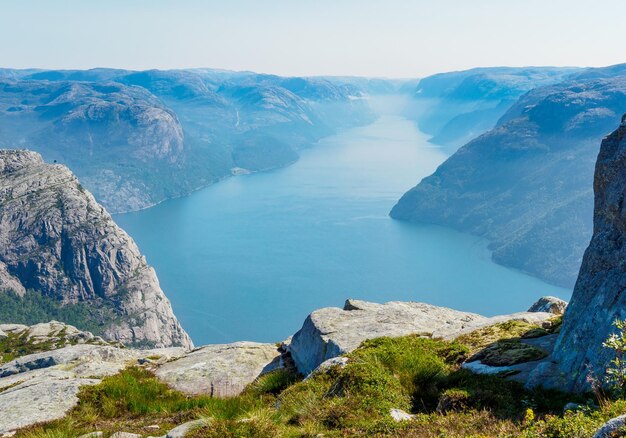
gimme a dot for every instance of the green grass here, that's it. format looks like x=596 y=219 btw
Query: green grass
x=419 y=375
x=33 y=308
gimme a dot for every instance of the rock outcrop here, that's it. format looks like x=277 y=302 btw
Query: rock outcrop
x=549 y=304
x=55 y=239
x=44 y=386
x=221 y=370
x=598 y=298
x=331 y=332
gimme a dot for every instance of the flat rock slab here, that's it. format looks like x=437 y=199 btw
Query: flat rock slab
x=222 y=370
x=331 y=332
x=38 y=400
x=44 y=386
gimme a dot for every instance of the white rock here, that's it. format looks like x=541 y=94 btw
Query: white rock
x=222 y=370
x=331 y=332
x=550 y=305
x=182 y=430
x=399 y=415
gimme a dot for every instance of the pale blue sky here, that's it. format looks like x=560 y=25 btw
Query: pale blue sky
x=393 y=38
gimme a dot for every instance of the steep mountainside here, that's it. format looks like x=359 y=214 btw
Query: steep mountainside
x=137 y=138
x=526 y=184
x=598 y=298
x=458 y=106
x=58 y=242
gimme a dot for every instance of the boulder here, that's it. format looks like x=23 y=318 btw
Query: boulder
x=222 y=370
x=185 y=428
x=399 y=415
x=550 y=305
x=331 y=332
x=611 y=427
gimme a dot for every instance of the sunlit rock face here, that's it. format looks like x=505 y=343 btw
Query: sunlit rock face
x=58 y=241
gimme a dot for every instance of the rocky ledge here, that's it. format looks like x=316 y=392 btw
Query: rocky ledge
x=61 y=359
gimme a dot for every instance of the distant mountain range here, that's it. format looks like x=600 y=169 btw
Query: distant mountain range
x=526 y=185
x=138 y=138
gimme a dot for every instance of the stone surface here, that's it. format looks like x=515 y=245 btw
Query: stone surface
x=550 y=305
x=598 y=299
x=331 y=332
x=185 y=428
x=340 y=362
x=125 y=435
x=221 y=370
x=44 y=386
x=57 y=240
x=611 y=427
x=399 y=415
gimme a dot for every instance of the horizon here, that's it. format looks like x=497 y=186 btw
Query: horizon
x=406 y=39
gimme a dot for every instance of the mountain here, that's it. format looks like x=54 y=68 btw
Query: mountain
x=136 y=138
x=62 y=253
x=526 y=184
x=456 y=107
x=597 y=300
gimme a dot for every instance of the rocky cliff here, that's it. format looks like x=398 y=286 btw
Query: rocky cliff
x=526 y=184
x=56 y=240
x=598 y=297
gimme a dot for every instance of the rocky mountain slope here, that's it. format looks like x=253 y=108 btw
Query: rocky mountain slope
x=597 y=300
x=59 y=243
x=526 y=184
x=456 y=107
x=137 y=138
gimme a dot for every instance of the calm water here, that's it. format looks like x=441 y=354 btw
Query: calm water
x=250 y=257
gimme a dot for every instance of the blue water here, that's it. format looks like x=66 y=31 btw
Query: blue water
x=250 y=257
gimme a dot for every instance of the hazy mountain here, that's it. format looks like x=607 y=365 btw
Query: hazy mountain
x=456 y=107
x=137 y=138
x=526 y=184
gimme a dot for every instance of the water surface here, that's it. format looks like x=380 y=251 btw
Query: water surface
x=250 y=257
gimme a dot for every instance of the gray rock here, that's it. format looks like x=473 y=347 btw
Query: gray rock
x=611 y=427
x=477 y=367
x=44 y=386
x=182 y=430
x=340 y=362
x=571 y=407
x=550 y=305
x=331 y=332
x=97 y=434
x=125 y=435
x=399 y=415
x=597 y=300
x=222 y=370
x=38 y=400
x=57 y=240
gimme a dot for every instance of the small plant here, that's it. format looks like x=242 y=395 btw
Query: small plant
x=615 y=374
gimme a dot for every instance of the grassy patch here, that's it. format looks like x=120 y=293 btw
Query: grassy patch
x=419 y=375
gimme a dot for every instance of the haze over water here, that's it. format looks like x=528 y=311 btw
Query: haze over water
x=250 y=257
